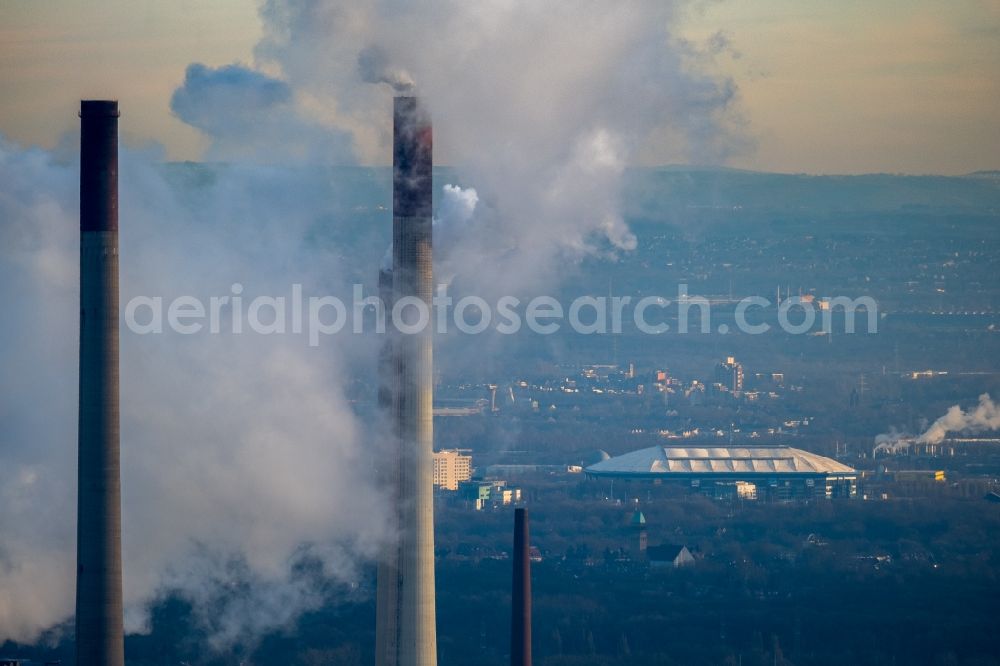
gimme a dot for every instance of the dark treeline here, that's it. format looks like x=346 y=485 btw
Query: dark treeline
x=829 y=582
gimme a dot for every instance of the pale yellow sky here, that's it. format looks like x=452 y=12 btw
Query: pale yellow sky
x=825 y=87
x=859 y=86
x=54 y=53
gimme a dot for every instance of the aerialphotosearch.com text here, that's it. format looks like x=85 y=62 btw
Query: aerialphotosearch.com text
x=319 y=316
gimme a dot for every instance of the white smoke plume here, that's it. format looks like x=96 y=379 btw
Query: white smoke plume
x=235 y=448
x=982 y=418
x=538 y=106
x=456 y=207
x=245 y=449
x=892 y=442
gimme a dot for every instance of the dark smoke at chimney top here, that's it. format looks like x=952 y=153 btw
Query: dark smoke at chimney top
x=374 y=67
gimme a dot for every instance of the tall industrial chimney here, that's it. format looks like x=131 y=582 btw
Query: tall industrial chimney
x=406 y=632
x=99 y=618
x=520 y=601
x=387 y=469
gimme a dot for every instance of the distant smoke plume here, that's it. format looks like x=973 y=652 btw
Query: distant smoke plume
x=892 y=442
x=984 y=417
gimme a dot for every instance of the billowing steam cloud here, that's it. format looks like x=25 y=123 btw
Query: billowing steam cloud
x=242 y=456
x=252 y=116
x=983 y=417
x=539 y=106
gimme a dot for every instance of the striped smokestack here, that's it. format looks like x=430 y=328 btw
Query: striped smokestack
x=406 y=633
x=520 y=601
x=99 y=618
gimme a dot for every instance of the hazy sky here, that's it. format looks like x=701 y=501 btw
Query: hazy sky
x=846 y=87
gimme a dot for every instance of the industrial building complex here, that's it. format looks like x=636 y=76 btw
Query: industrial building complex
x=747 y=472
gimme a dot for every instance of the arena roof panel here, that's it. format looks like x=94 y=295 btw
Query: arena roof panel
x=730 y=461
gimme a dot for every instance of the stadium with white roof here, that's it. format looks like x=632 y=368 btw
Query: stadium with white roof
x=766 y=472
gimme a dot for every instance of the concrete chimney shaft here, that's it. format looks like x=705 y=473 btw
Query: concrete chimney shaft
x=406 y=632
x=99 y=616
